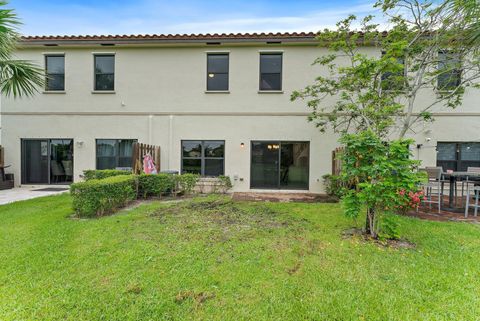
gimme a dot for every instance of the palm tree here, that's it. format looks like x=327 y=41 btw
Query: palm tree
x=469 y=11
x=17 y=77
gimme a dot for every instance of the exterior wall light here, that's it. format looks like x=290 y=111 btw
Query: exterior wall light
x=242 y=145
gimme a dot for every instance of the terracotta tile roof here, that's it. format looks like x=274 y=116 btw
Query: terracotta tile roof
x=279 y=36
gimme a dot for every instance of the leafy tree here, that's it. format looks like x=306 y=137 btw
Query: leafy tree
x=425 y=52
x=17 y=77
x=371 y=93
x=383 y=179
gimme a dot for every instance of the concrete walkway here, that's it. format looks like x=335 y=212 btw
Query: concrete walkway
x=29 y=192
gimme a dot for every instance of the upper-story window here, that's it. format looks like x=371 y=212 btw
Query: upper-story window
x=104 y=72
x=270 y=71
x=450 y=72
x=217 y=71
x=55 y=72
x=394 y=79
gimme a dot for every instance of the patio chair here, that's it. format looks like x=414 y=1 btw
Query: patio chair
x=475 y=180
x=476 y=196
x=433 y=187
x=57 y=171
x=68 y=167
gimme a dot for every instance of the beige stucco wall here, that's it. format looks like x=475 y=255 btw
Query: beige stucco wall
x=160 y=99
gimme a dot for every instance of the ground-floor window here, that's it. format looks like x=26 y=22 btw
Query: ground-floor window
x=280 y=164
x=47 y=161
x=114 y=153
x=458 y=156
x=203 y=157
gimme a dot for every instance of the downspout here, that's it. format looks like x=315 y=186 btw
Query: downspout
x=170 y=142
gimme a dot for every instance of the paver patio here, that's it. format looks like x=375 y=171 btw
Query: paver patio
x=29 y=192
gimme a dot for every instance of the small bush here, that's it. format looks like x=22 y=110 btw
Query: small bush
x=226 y=181
x=155 y=184
x=388 y=229
x=185 y=183
x=333 y=185
x=103 y=173
x=97 y=197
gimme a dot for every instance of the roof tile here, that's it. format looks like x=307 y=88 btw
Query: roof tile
x=207 y=36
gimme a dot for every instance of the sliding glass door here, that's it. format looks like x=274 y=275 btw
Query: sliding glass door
x=47 y=161
x=35 y=162
x=280 y=165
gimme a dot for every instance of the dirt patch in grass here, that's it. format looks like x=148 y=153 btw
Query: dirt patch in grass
x=134 y=288
x=359 y=234
x=295 y=268
x=197 y=297
x=220 y=219
x=225 y=213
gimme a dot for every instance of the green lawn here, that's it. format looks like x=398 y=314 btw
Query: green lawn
x=211 y=259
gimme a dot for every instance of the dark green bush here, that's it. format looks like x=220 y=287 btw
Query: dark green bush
x=155 y=184
x=97 y=197
x=103 y=173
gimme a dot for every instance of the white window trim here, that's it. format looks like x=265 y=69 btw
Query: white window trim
x=270 y=51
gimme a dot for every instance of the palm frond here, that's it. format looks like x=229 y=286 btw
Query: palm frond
x=20 y=78
x=8 y=30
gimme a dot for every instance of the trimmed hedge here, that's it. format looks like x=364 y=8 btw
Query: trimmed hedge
x=97 y=197
x=155 y=184
x=103 y=173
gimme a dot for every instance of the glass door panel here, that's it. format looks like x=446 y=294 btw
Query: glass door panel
x=61 y=161
x=294 y=160
x=265 y=164
x=35 y=161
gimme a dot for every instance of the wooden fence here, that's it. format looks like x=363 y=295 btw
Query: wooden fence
x=336 y=162
x=139 y=151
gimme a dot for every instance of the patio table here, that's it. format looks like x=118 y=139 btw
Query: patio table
x=453 y=177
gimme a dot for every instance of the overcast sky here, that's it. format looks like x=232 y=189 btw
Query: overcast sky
x=56 y=17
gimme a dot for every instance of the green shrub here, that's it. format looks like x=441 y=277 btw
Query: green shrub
x=224 y=184
x=155 y=184
x=103 y=173
x=97 y=197
x=226 y=181
x=388 y=229
x=333 y=185
x=185 y=183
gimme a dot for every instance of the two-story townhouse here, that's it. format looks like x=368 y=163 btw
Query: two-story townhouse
x=215 y=104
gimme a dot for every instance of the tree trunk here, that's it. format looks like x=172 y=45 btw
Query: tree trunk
x=370 y=223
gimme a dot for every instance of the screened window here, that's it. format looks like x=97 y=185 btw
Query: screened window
x=271 y=71
x=217 y=71
x=55 y=72
x=449 y=68
x=113 y=153
x=104 y=72
x=458 y=156
x=203 y=157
